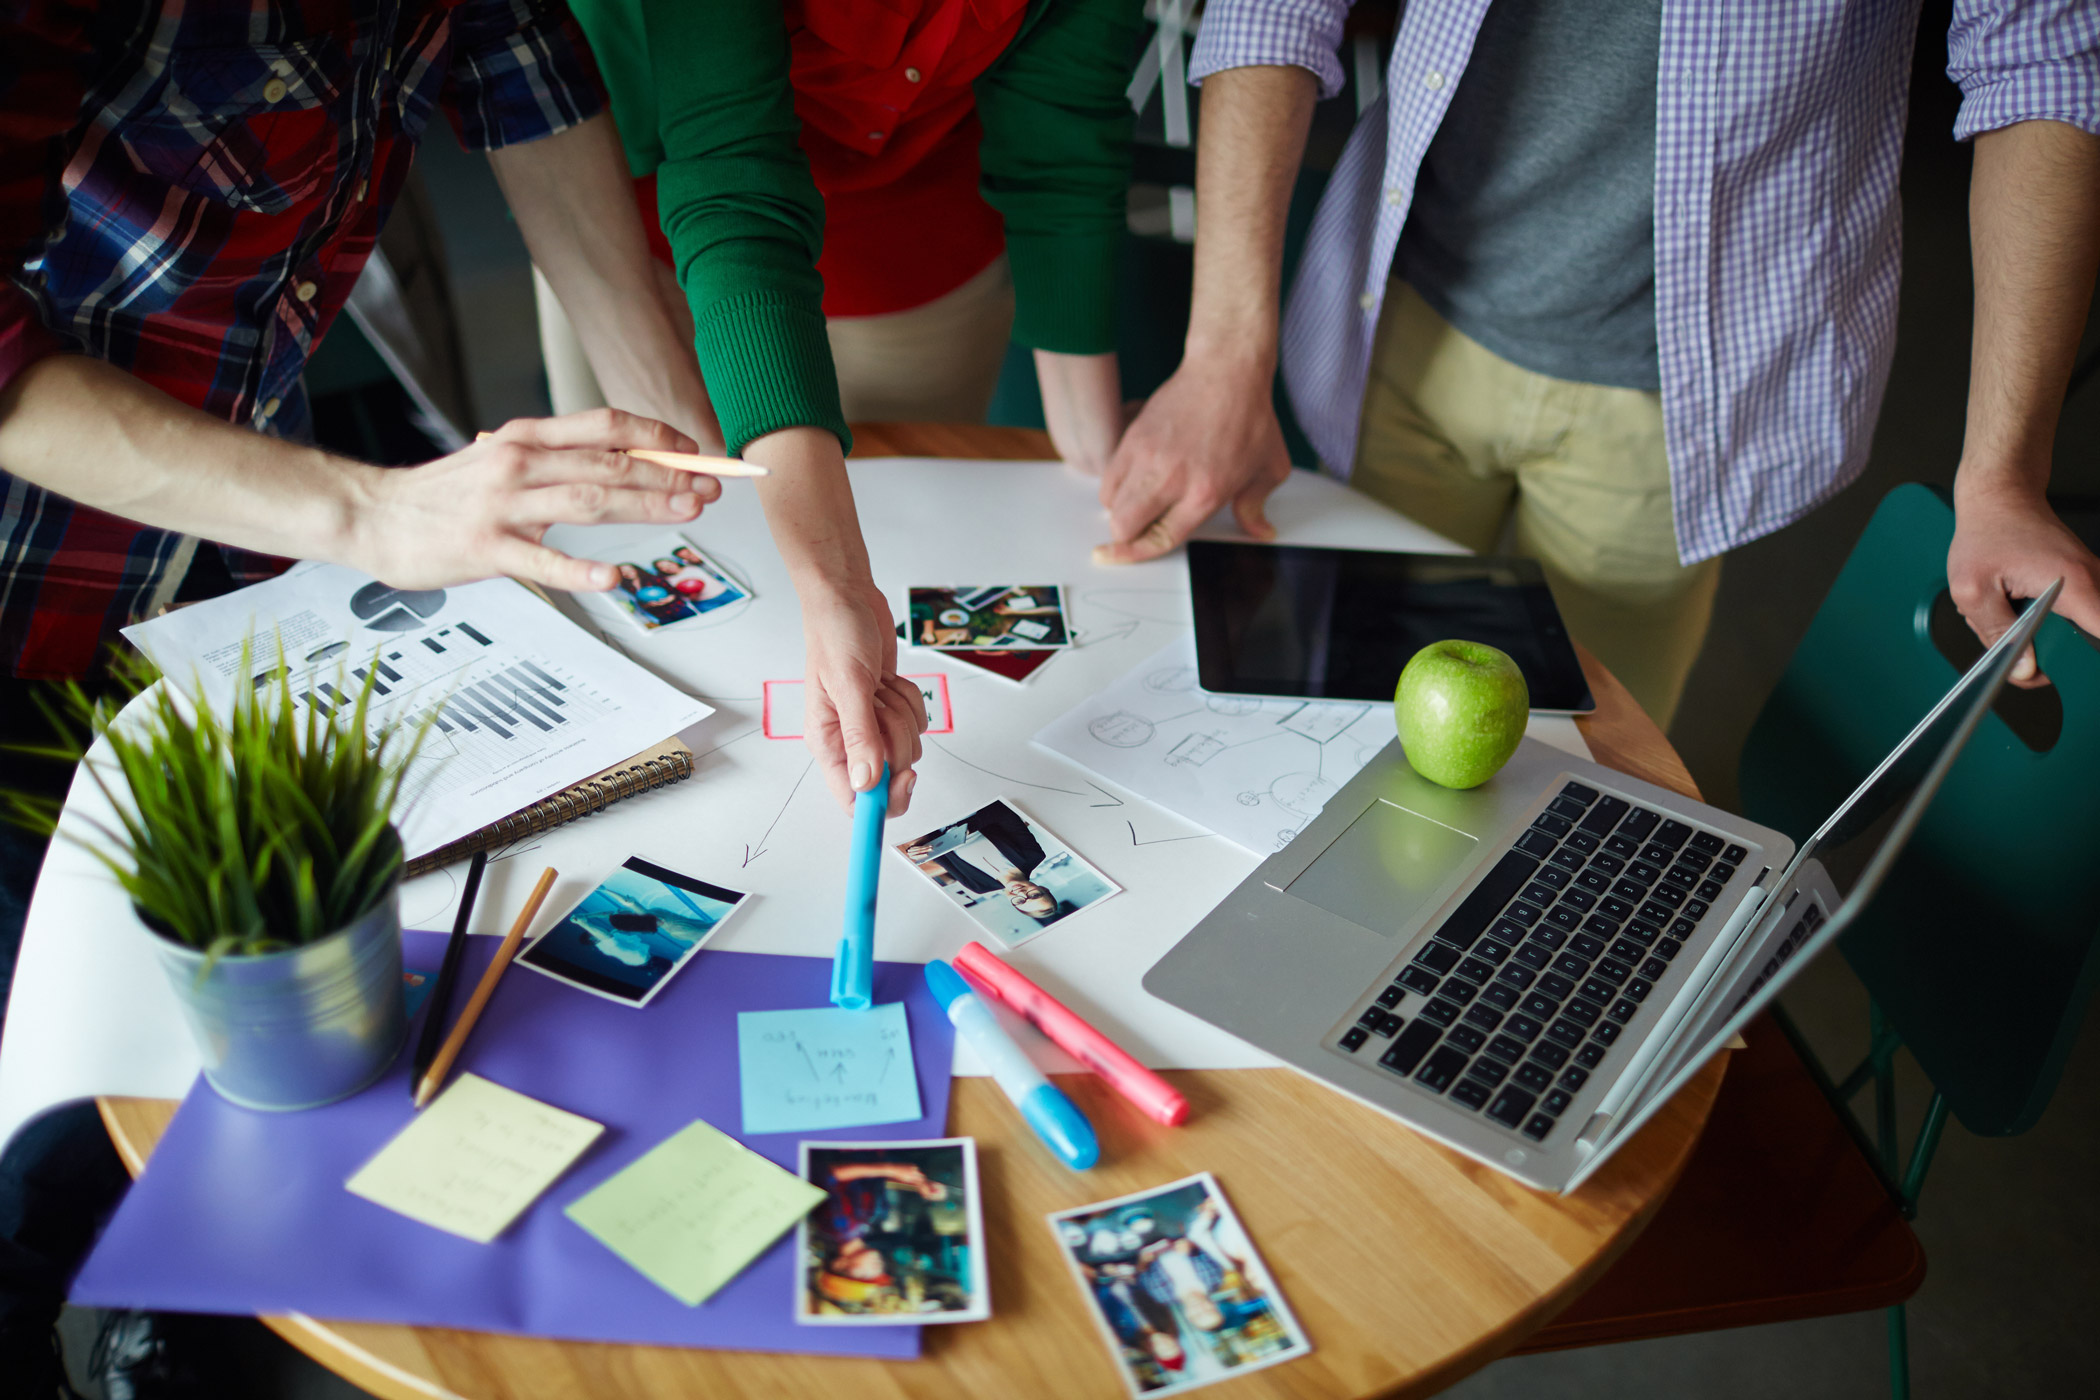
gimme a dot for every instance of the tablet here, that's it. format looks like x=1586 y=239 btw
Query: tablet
x=1338 y=624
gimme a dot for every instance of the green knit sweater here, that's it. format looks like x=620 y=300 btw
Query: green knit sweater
x=701 y=93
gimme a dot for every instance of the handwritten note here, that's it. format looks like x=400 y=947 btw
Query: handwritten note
x=806 y=1070
x=474 y=1159
x=692 y=1211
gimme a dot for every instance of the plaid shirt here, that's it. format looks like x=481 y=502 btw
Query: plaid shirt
x=188 y=190
x=1779 y=129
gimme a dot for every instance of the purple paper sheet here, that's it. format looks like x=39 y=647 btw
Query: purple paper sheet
x=245 y=1212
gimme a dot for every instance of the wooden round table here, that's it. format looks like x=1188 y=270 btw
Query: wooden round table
x=1408 y=1265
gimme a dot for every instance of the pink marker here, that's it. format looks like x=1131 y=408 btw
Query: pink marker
x=1074 y=1036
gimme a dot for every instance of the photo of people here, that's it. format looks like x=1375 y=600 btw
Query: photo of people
x=1007 y=617
x=631 y=933
x=898 y=1239
x=673 y=582
x=1013 y=878
x=1177 y=1289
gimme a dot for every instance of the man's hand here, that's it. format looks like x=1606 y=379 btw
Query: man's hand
x=2009 y=545
x=859 y=712
x=483 y=510
x=1208 y=439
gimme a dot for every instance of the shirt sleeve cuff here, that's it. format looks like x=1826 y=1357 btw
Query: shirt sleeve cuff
x=1272 y=33
x=1065 y=291
x=523 y=71
x=2062 y=93
x=767 y=363
x=24 y=339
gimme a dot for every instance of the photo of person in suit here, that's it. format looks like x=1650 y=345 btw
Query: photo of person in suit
x=1009 y=874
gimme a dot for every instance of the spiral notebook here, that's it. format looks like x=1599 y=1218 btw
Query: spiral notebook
x=652 y=768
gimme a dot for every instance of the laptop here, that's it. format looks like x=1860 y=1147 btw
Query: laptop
x=1528 y=970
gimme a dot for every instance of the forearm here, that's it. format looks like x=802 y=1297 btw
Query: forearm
x=575 y=205
x=808 y=501
x=1082 y=406
x=1254 y=125
x=2034 y=220
x=97 y=435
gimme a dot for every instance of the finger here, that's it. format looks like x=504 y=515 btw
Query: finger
x=550 y=568
x=588 y=503
x=860 y=739
x=1249 y=509
x=607 y=429
x=1162 y=536
x=1144 y=495
x=901 y=737
x=1984 y=606
x=615 y=470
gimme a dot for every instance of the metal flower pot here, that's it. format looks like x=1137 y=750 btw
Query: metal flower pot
x=303 y=1027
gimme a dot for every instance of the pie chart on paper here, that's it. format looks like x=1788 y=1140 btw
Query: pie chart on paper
x=384 y=608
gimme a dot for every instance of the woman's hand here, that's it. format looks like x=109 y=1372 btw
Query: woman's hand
x=860 y=712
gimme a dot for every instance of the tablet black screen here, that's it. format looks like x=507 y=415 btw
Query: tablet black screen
x=1338 y=624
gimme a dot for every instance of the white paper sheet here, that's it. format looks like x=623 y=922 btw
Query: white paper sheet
x=526 y=702
x=1253 y=771
x=92 y=1012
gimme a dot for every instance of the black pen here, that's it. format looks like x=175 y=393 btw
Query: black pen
x=448 y=972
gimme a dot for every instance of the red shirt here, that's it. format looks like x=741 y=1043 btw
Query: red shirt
x=890 y=127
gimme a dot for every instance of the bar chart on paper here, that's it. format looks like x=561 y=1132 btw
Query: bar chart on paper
x=519 y=701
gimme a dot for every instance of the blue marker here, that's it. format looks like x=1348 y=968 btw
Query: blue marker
x=853 y=966
x=1055 y=1118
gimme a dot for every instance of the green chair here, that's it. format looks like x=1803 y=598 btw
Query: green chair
x=2001 y=861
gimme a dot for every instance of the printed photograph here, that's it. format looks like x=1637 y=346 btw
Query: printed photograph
x=1004 y=617
x=1011 y=876
x=898 y=1239
x=629 y=935
x=1176 y=1287
x=673 y=581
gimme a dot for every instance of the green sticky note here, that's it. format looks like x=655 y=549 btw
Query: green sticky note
x=809 y=1069
x=474 y=1159
x=692 y=1211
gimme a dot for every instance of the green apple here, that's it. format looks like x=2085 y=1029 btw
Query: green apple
x=1460 y=708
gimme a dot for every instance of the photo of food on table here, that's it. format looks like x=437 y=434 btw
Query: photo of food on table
x=1010 y=875
x=1009 y=617
x=670 y=581
x=899 y=1238
x=1176 y=1287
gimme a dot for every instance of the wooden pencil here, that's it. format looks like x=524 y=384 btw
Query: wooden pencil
x=690 y=462
x=464 y=1026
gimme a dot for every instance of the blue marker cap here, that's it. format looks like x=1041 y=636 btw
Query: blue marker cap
x=946 y=983
x=1059 y=1123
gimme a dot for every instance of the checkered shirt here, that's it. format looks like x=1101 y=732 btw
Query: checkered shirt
x=1778 y=237
x=188 y=190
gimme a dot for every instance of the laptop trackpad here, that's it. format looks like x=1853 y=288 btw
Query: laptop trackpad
x=1379 y=872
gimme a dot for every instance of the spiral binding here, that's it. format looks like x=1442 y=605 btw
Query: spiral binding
x=591 y=795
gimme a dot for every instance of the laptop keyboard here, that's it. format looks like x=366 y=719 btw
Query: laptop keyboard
x=1519 y=997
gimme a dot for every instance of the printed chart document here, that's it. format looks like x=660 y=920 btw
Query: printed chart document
x=524 y=702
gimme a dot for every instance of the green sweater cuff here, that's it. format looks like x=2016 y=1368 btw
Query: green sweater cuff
x=768 y=366
x=1065 y=291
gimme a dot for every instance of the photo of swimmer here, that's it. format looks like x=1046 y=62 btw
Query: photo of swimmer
x=631 y=933
x=1177 y=1289
x=898 y=1238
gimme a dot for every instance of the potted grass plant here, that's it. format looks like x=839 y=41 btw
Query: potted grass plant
x=259 y=847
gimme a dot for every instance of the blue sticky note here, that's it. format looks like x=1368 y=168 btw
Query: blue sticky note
x=823 y=1067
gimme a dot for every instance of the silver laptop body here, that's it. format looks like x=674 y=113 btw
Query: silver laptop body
x=1399 y=949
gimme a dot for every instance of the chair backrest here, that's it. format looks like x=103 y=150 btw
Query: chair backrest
x=1982 y=947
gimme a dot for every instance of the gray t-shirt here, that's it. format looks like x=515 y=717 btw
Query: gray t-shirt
x=1533 y=224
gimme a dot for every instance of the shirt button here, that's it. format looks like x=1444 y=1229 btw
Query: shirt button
x=1432 y=81
x=912 y=75
x=362 y=186
x=274 y=90
x=1367 y=300
x=282 y=67
x=874 y=136
x=1395 y=195
x=270 y=406
x=305 y=291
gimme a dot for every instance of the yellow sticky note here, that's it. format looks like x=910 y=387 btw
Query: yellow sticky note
x=692 y=1211
x=474 y=1159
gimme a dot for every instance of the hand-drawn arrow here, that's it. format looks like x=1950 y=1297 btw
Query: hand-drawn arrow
x=1161 y=840
x=751 y=855
x=1113 y=634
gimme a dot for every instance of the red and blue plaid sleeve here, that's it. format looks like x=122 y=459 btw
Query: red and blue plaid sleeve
x=520 y=71
x=42 y=48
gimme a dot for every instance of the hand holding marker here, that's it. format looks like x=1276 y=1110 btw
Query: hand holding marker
x=1055 y=1118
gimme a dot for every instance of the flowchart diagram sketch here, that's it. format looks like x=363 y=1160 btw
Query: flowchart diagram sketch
x=1253 y=771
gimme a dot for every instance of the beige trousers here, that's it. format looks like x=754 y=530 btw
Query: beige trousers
x=1572 y=475
x=933 y=363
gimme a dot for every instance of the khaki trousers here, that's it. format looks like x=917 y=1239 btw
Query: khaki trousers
x=934 y=363
x=1573 y=475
